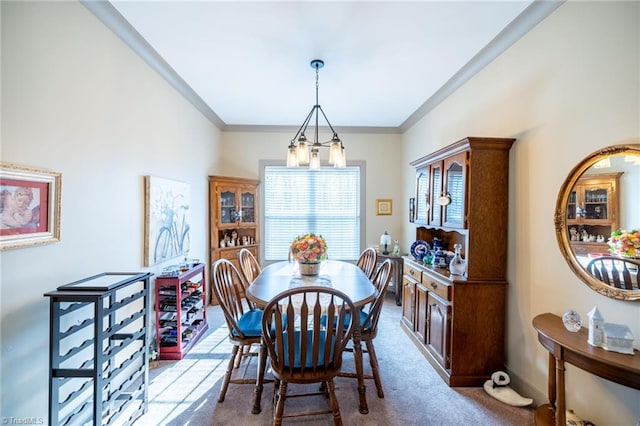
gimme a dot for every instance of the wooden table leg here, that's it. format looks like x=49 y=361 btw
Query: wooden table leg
x=551 y=391
x=357 y=355
x=560 y=396
x=545 y=414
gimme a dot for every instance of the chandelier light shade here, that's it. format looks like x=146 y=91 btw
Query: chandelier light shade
x=301 y=152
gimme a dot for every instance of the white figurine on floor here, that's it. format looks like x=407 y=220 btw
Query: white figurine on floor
x=497 y=388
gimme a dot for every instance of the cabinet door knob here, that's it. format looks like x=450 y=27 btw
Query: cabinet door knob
x=434 y=285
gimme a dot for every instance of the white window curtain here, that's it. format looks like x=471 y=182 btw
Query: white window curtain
x=298 y=201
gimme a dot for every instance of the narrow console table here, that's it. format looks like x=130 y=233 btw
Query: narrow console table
x=565 y=346
x=396 y=274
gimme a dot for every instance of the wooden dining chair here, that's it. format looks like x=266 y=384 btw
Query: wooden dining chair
x=368 y=261
x=248 y=265
x=306 y=330
x=250 y=269
x=243 y=323
x=618 y=272
x=368 y=325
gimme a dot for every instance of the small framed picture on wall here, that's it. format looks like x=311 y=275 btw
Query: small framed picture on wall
x=383 y=207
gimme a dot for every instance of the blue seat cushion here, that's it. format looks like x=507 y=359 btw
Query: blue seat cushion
x=250 y=323
x=347 y=318
x=309 y=350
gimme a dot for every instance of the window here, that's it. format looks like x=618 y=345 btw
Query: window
x=325 y=202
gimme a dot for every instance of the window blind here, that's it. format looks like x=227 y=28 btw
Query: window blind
x=421 y=198
x=455 y=187
x=299 y=201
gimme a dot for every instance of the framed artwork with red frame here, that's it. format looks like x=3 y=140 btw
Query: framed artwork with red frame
x=29 y=206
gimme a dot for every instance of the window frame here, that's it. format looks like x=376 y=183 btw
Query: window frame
x=363 y=212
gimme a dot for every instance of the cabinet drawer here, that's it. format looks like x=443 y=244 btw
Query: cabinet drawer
x=232 y=254
x=438 y=287
x=412 y=272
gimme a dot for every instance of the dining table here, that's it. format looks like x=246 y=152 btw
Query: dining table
x=340 y=275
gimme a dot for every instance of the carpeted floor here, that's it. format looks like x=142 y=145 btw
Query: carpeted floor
x=185 y=392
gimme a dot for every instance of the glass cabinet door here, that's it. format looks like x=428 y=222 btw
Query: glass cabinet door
x=591 y=213
x=590 y=203
x=572 y=206
x=422 y=196
x=596 y=202
x=248 y=206
x=227 y=206
x=454 y=191
x=435 y=209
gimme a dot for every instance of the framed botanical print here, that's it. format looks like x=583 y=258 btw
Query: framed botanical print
x=29 y=206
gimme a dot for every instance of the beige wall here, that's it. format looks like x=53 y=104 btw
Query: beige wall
x=76 y=100
x=380 y=152
x=566 y=89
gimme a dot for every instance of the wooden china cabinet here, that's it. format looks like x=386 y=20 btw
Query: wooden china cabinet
x=593 y=208
x=233 y=218
x=458 y=322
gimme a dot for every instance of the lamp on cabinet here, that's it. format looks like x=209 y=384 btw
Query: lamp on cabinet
x=385 y=240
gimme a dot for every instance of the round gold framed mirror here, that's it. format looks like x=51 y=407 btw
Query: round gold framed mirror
x=599 y=199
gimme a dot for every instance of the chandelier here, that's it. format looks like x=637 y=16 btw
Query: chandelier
x=301 y=152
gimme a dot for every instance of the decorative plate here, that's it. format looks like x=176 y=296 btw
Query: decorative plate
x=419 y=249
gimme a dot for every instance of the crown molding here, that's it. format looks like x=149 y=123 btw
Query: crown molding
x=321 y=129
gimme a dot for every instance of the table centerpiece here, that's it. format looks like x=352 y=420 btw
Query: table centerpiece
x=625 y=244
x=309 y=250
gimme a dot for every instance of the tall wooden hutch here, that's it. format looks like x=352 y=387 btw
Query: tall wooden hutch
x=458 y=322
x=233 y=218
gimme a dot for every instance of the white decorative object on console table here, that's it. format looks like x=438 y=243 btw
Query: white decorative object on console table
x=571 y=321
x=608 y=336
x=596 y=327
x=618 y=338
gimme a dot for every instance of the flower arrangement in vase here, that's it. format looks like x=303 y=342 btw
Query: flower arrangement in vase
x=309 y=250
x=624 y=243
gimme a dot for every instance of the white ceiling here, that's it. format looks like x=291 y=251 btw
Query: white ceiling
x=249 y=62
